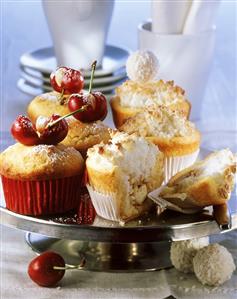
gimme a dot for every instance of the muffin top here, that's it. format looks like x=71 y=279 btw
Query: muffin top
x=47 y=104
x=137 y=95
x=40 y=162
x=84 y=135
x=159 y=122
x=134 y=155
x=52 y=96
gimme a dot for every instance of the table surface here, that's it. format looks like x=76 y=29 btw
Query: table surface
x=218 y=114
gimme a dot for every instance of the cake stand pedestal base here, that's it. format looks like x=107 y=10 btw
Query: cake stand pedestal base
x=100 y=256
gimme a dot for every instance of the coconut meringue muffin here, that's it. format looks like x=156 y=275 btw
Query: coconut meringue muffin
x=41 y=179
x=80 y=135
x=120 y=175
x=175 y=136
x=144 y=90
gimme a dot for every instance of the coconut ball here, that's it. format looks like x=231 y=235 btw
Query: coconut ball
x=183 y=252
x=142 y=66
x=213 y=265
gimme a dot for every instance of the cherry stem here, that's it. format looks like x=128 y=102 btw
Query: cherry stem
x=71 y=267
x=61 y=96
x=51 y=124
x=93 y=67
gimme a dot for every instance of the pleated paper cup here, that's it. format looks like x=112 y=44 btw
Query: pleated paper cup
x=173 y=165
x=104 y=205
x=163 y=204
x=43 y=197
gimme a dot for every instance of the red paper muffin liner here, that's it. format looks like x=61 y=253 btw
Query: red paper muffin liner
x=43 y=197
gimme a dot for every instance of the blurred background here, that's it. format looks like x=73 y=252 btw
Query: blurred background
x=24 y=28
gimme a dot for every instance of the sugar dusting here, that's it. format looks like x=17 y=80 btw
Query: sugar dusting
x=55 y=154
x=82 y=131
x=49 y=96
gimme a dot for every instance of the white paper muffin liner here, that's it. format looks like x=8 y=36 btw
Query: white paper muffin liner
x=163 y=204
x=104 y=204
x=172 y=165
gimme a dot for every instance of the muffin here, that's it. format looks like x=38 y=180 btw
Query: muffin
x=144 y=90
x=47 y=104
x=80 y=135
x=175 y=136
x=205 y=183
x=120 y=175
x=41 y=179
x=132 y=97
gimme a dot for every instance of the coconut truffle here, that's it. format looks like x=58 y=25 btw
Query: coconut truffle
x=183 y=252
x=142 y=66
x=213 y=265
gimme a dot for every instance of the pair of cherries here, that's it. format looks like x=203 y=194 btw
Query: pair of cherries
x=84 y=106
x=71 y=82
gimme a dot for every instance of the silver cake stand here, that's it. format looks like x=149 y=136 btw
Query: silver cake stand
x=141 y=245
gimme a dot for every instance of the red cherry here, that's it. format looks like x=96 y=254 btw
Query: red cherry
x=51 y=134
x=24 y=131
x=41 y=269
x=66 y=80
x=101 y=105
x=96 y=106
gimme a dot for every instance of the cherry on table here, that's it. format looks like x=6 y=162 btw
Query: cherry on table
x=24 y=131
x=66 y=80
x=41 y=269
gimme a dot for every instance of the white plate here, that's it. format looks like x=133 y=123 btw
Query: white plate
x=43 y=60
x=33 y=90
x=37 y=77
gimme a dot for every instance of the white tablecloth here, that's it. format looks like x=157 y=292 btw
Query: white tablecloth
x=15 y=283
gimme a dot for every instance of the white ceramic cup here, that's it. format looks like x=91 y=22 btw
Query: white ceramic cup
x=79 y=30
x=186 y=59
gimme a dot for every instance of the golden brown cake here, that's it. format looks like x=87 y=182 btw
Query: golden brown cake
x=121 y=173
x=41 y=179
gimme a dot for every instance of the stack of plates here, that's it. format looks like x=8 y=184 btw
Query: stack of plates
x=36 y=67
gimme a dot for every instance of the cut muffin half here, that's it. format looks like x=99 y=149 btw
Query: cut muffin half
x=208 y=182
x=121 y=173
